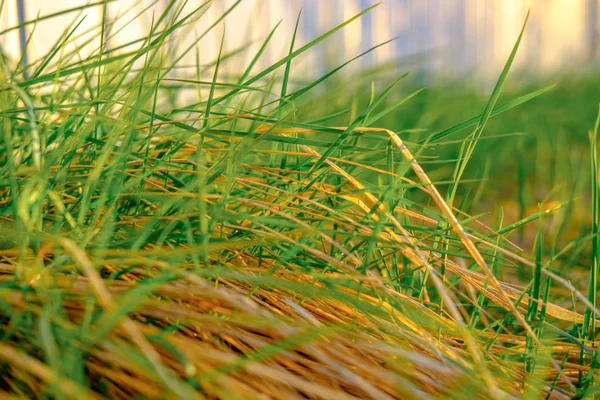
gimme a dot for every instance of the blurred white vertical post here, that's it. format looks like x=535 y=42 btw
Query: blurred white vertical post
x=22 y=33
x=592 y=28
x=352 y=32
x=382 y=31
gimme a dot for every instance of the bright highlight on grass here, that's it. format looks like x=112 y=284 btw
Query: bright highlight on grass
x=219 y=236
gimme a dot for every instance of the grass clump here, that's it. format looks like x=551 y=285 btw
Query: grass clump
x=226 y=244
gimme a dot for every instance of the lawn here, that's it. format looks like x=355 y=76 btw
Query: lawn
x=267 y=236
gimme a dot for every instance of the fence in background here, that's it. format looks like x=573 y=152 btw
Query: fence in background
x=449 y=35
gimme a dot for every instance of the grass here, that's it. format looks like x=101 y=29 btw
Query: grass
x=256 y=236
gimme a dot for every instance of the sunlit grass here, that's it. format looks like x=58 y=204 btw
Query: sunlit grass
x=248 y=243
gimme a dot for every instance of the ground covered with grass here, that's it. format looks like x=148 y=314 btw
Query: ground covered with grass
x=266 y=238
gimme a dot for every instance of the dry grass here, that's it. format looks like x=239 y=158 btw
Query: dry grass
x=261 y=328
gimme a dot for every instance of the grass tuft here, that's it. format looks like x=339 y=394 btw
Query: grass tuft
x=229 y=232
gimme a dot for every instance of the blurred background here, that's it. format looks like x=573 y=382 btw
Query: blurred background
x=436 y=37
